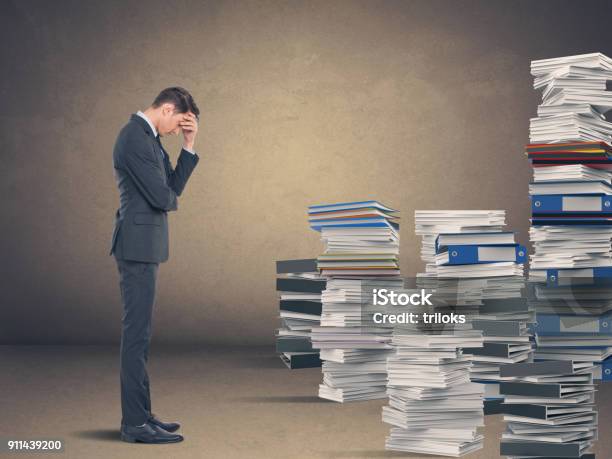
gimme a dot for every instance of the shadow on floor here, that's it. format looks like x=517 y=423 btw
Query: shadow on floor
x=375 y=453
x=262 y=362
x=283 y=399
x=102 y=434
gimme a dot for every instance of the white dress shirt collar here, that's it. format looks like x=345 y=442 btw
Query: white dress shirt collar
x=144 y=117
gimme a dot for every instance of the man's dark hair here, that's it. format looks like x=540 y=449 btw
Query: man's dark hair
x=180 y=97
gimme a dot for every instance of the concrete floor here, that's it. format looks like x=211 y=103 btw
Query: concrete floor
x=233 y=403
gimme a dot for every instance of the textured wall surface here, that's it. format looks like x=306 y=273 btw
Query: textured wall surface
x=419 y=104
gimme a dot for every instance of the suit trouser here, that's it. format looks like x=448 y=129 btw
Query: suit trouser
x=137 y=283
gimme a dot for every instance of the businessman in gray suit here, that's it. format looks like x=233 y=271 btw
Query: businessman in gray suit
x=148 y=190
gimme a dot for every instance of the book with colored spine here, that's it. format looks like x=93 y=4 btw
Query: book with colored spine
x=361 y=252
x=483 y=253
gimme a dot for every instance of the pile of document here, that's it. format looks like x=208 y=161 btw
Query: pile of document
x=566 y=244
x=575 y=97
x=468 y=255
x=466 y=244
x=361 y=253
x=504 y=323
x=433 y=406
x=573 y=312
x=299 y=286
x=361 y=239
x=470 y=264
x=571 y=205
x=549 y=409
x=574 y=321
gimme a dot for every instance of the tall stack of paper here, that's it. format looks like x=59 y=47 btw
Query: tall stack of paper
x=361 y=253
x=549 y=410
x=470 y=265
x=550 y=407
x=299 y=285
x=574 y=98
x=469 y=249
x=571 y=203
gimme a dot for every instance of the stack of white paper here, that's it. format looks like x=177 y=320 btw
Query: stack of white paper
x=433 y=406
x=353 y=351
x=474 y=269
x=571 y=173
x=487 y=288
x=568 y=247
x=574 y=99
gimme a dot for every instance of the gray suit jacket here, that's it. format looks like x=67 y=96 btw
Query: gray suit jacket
x=148 y=188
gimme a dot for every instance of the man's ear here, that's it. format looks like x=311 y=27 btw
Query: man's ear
x=167 y=109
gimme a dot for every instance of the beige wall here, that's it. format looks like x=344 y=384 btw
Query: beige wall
x=418 y=104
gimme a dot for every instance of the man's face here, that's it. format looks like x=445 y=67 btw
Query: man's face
x=170 y=119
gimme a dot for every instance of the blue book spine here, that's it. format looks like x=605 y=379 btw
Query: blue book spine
x=556 y=277
x=571 y=203
x=572 y=219
x=477 y=254
x=556 y=324
x=440 y=247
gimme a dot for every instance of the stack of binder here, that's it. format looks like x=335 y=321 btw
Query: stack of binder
x=549 y=410
x=467 y=244
x=299 y=285
x=571 y=204
x=361 y=253
x=471 y=250
x=504 y=323
x=574 y=321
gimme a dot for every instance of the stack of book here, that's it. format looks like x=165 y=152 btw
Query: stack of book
x=361 y=239
x=549 y=410
x=361 y=253
x=571 y=204
x=299 y=285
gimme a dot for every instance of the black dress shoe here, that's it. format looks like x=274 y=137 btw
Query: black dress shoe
x=167 y=426
x=148 y=434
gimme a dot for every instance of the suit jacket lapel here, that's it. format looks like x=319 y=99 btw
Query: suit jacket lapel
x=161 y=158
x=165 y=159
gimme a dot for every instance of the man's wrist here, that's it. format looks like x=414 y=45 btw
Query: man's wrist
x=189 y=148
